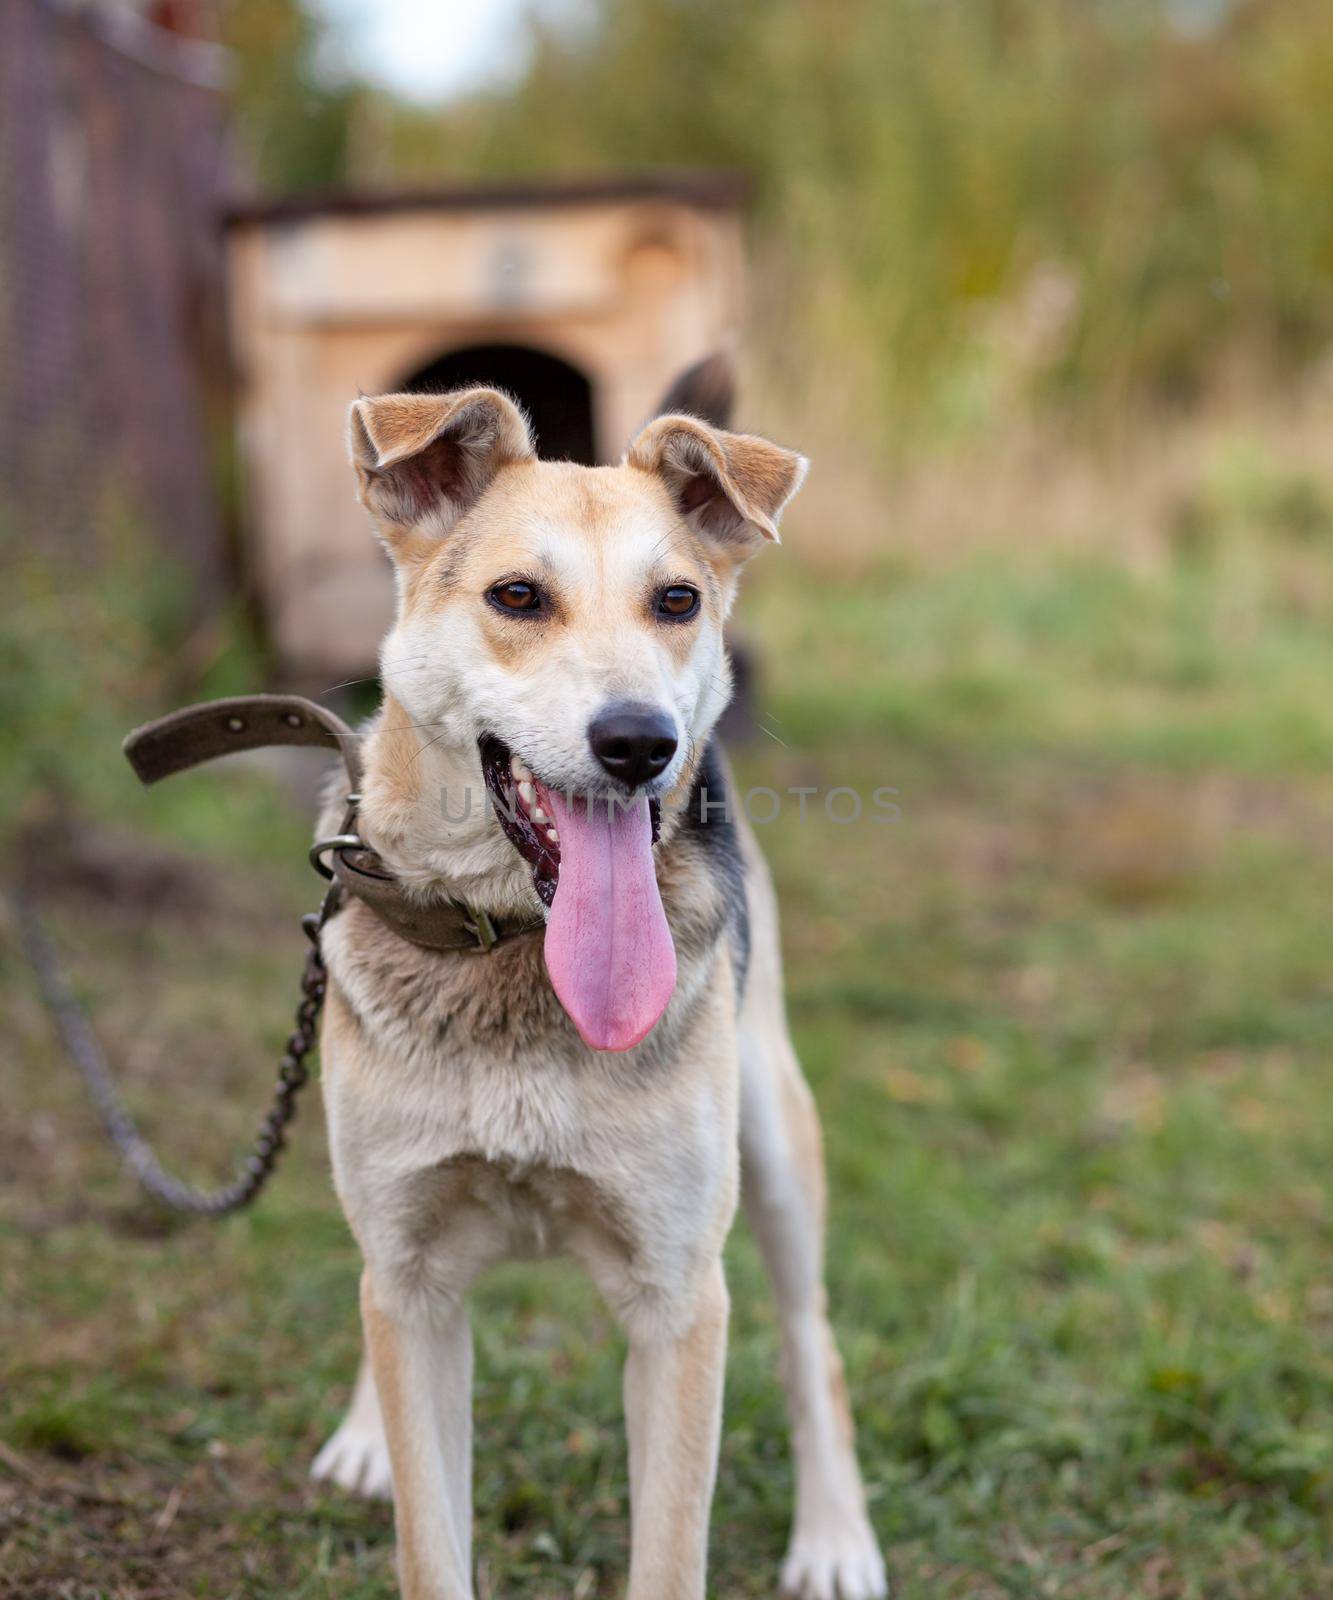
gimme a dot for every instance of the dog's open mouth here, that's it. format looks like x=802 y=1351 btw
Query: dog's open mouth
x=608 y=948
x=522 y=807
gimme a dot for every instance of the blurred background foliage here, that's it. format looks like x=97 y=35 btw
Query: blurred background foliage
x=961 y=207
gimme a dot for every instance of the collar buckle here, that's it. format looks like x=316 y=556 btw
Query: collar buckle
x=478 y=923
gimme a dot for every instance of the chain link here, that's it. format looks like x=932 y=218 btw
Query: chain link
x=135 y=1151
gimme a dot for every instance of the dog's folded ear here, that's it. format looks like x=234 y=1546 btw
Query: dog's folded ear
x=730 y=487
x=423 y=459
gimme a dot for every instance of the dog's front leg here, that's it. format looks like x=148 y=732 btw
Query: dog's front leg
x=423 y=1371
x=673 y=1413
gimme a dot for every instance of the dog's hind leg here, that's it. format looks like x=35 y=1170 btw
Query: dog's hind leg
x=833 y=1554
x=356 y=1456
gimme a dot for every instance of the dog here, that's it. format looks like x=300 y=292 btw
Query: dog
x=606 y=1082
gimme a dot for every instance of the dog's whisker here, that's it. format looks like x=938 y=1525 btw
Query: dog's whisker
x=347 y=683
x=378 y=677
x=425 y=747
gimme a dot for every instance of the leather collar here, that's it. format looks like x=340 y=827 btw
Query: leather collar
x=216 y=728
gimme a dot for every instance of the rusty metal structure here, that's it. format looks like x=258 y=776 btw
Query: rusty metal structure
x=112 y=328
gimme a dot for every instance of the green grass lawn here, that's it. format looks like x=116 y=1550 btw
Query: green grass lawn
x=1069 y=1021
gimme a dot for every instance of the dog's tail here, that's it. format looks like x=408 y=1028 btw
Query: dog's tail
x=706 y=390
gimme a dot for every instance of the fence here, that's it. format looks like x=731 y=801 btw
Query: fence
x=112 y=338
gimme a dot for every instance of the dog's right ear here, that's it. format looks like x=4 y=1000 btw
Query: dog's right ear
x=422 y=460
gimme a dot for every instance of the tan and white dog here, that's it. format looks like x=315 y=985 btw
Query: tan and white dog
x=604 y=1086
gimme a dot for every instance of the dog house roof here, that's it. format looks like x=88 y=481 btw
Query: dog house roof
x=716 y=189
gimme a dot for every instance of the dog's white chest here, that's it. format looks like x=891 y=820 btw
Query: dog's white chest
x=525 y=1210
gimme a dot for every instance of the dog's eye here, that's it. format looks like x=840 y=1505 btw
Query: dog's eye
x=516 y=596
x=678 y=602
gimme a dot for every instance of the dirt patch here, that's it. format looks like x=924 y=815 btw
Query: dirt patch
x=76 y=864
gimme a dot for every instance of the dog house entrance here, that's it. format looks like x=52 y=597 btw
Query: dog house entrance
x=556 y=396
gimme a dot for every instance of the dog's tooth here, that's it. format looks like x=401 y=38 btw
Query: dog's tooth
x=538 y=815
x=526 y=793
x=519 y=771
x=553 y=836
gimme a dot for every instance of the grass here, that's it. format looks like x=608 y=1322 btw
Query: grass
x=1068 y=1018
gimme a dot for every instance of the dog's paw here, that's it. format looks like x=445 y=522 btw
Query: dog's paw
x=835 y=1564
x=356 y=1458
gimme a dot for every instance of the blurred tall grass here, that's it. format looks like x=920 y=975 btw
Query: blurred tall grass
x=963 y=208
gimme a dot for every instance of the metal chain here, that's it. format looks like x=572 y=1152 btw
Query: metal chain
x=135 y=1152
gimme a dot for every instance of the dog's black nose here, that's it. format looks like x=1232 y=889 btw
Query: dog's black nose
x=633 y=743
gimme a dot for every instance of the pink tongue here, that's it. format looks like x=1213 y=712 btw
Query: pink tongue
x=608 y=947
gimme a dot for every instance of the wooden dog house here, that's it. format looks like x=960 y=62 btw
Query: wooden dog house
x=584 y=300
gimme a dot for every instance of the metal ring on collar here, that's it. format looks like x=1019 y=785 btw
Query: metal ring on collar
x=338 y=841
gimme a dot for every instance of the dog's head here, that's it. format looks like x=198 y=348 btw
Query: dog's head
x=566 y=622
